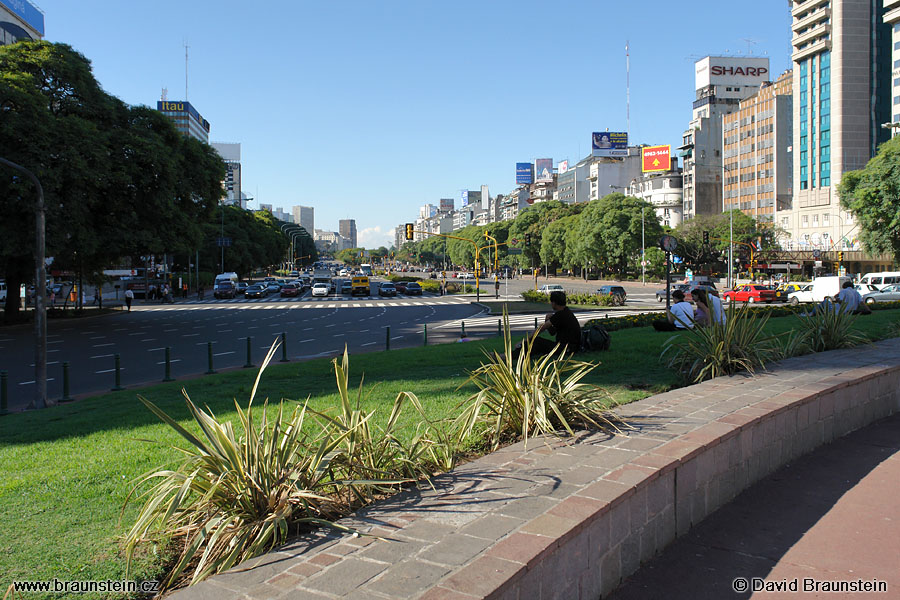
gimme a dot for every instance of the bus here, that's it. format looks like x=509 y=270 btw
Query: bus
x=366 y=269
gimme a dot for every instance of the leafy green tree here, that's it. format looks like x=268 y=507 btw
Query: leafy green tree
x=610 y=232
x=719 y=226
x=118 y=180
x=872 y=196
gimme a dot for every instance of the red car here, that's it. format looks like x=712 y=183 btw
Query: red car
x=290 y=290
x=750 y=293
x=401 y=287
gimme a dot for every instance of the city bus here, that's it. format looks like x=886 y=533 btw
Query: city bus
x=366 y=269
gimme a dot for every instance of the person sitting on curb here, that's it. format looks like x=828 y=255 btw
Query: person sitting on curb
x=679 y=316
x=561 y=323
x=849 y=299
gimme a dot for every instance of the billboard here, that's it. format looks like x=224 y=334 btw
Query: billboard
x=562 y=167
x=655 y=158
x=465 y=197
x=446 y=204
x=181 y=106
x=609 y=143
x=543 y=170
x=25 y=10
x=524 y=174
x=730 y=71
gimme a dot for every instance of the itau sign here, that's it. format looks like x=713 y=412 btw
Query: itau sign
x=655 y=158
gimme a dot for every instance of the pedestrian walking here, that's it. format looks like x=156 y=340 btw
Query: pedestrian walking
x=96 y=296
x=52 y=298
x=184 y=291
x=129 y=296
x=497 y=288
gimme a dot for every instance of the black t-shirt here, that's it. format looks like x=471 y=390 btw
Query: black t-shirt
x=568 y=331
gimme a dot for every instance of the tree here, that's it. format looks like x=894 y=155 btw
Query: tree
x=719 y=226
x=610 y=231
x=117 y=180
x=872 y=196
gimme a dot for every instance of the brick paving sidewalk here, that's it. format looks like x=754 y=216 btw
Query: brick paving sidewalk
x=831 y=516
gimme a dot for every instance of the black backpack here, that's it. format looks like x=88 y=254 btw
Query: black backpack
x=594 y=339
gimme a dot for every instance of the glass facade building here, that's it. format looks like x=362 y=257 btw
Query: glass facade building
x=186 y=119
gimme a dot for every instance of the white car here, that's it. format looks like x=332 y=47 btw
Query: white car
x=465 y=276
x=551 y=287
x=804 y=294
x=320 y=289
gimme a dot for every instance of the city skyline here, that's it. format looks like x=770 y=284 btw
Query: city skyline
x=373 y=112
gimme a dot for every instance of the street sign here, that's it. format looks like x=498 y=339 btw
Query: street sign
x=817 y=253
x=514 y=251
x=223 y=241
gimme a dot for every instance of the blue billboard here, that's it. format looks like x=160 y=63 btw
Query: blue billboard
x=524 y=173
x=464 y=196
x=609 y=143
x=27 y=12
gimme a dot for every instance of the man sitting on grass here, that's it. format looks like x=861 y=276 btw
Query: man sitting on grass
x=562 y=323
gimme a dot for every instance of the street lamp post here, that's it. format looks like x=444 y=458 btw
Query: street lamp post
x=40 y=317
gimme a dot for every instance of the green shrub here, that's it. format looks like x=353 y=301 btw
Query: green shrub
x=523 y=398
x=740 y=344
x=829 y=328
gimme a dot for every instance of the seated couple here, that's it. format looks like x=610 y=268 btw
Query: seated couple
x=707 y=309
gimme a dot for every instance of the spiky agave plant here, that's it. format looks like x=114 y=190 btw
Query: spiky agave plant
x=830 y=328
x=234 y=497
x=740 y=344
x=522 y=398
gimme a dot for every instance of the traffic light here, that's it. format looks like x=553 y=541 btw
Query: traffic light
x=841 y=256
x=409 y=231
x=527 y=239
x=706 y=237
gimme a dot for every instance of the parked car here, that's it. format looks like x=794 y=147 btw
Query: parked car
x=613 y=290
x=750 y=292
x=240 y=287
x=290 y=290
x=551 y=287
x=887 y=294
x=257 y=290
x=401 y=287
x=387 y=289
x=320 y=289
x=413 y=289
x=224 y=290
x=661 y=294
x=465 y=275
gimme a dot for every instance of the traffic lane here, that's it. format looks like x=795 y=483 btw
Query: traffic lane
x=140 y=339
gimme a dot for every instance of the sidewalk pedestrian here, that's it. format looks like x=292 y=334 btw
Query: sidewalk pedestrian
x=129 y=296
x=96 y=296
x=497 y=289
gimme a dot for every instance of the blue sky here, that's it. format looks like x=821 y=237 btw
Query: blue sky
x=368 y=110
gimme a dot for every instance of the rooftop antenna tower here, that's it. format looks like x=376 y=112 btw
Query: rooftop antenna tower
x=164 y=95
x=186 y=71
x=627 y=91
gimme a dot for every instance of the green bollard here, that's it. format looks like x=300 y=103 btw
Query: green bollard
x=535 y=323
x=65 y=396
x=4 y=400
x=118 y=375
x=168 y=376
x=463 y=324
x=425 y=335
x=387 y=338
x=210 y=370
x=284 y=357
x=500 y=327
x=249 y=362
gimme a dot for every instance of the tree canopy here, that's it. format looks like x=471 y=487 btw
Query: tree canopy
x=117 y=180
x=872 y=196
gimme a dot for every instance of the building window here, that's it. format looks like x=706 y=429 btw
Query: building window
x=804 y=221
x=815 y=220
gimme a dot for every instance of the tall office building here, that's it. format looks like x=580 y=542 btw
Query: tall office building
x=892 y=18
x=347 y=229
x=720 y=82
x=304 y=216
x=20 y=20
x=757 y=157
x=231 y=154
x=186 y=119
x=842 y=91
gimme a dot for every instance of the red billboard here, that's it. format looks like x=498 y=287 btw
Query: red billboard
x=655 y=158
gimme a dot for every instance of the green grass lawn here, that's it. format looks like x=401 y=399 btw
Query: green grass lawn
x=68 y=470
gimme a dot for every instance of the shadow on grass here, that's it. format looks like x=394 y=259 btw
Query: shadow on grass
x=434 y=373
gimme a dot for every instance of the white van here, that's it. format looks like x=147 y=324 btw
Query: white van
x=827 y=287
x=881 y=280
x=232 y=277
